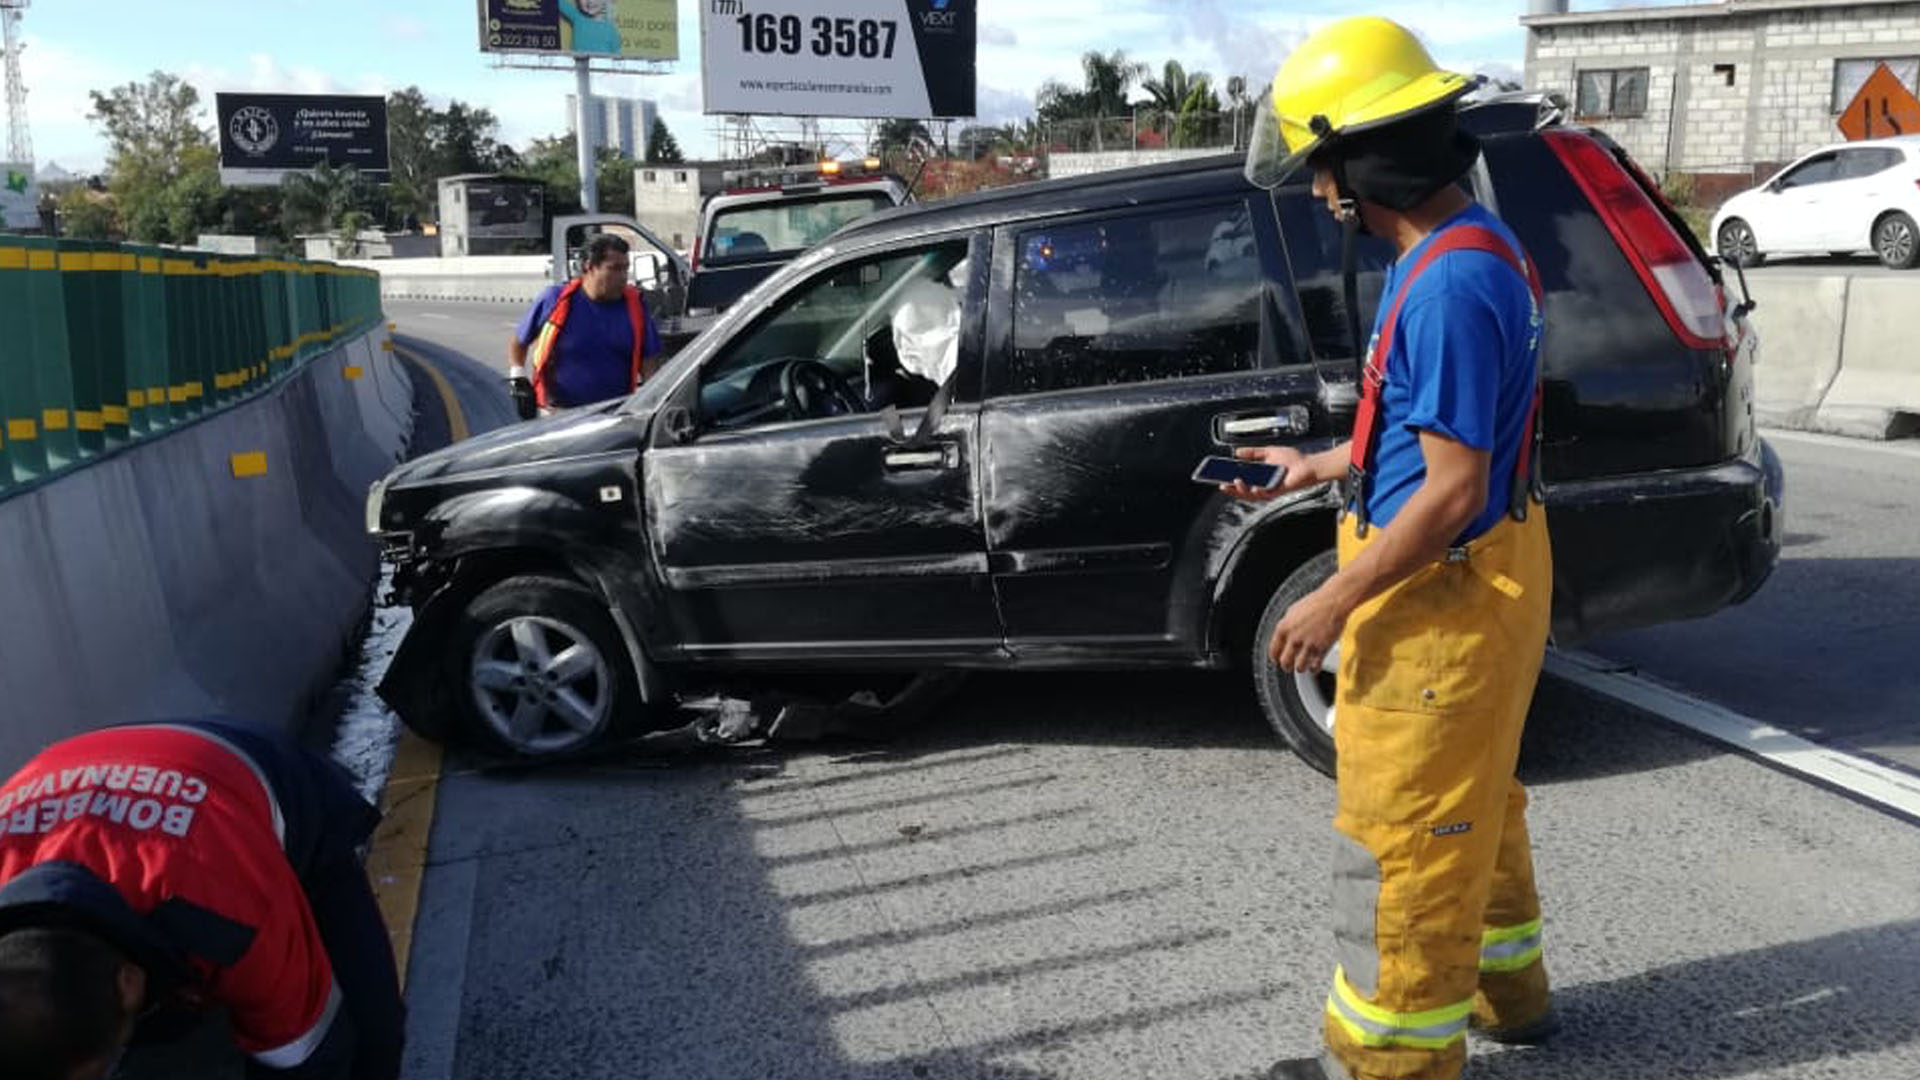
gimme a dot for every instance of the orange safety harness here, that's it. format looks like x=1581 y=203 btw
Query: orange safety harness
x=543 y=346
x=1366 y=422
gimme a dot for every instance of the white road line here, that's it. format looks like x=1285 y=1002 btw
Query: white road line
x=1869 y=781
x=1906 y=449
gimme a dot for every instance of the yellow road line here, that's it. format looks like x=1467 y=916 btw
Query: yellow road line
x=456 y=417
x=397 y=858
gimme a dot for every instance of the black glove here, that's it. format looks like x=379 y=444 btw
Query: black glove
x=524 y=401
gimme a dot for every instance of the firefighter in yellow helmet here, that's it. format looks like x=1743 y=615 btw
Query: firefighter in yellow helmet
x=1440 y=605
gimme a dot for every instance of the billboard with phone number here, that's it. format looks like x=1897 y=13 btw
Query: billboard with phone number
x=627 y=29
x=876 y=59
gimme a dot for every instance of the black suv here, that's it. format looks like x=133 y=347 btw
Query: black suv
x=792 y=494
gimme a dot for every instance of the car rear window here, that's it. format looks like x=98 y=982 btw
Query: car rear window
x=1163 y=295
x=789 y=225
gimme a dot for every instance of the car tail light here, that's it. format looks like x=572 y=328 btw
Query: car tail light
x=1673 y=274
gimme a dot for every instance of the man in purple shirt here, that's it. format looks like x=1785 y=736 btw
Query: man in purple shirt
x=585 y=341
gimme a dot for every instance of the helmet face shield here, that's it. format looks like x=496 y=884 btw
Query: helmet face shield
x=1270 y=161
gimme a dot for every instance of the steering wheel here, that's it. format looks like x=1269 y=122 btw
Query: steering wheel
x=811 y=389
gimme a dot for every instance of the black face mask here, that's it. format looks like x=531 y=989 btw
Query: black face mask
x=1401 y=165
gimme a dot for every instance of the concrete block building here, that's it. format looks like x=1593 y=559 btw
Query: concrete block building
x=667 y=198
x=1726 y=92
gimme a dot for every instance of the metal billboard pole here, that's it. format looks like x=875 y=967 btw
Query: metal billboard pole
x=583 y=136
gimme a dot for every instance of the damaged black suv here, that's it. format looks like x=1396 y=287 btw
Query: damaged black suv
x=960 y=436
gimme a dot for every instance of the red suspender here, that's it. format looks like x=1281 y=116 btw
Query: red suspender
x=1366 y=422
x=637 y=315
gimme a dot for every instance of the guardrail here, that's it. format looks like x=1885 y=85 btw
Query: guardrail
x=103 y=345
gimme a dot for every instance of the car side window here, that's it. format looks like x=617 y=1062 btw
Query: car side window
x=1162 y=295
x=1820 y=170
x=1860 y=164
x=1314 y=247
x=852 y=319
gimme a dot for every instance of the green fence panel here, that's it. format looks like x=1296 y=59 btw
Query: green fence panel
x=18 y=459
x=80 y=295
x=112 y=270
x=53 y=407
x=143 y=306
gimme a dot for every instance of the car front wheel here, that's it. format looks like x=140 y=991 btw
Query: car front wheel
x=539 y=668
x=1896 y=241
x=1300 y=707
x=1737 y=244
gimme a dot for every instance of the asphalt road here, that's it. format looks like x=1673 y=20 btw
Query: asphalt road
x=1828 y=648
x=1122 y=876
x=1804 y=265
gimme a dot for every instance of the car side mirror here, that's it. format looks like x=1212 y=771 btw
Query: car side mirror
x=678 y=424
x=1775 y=187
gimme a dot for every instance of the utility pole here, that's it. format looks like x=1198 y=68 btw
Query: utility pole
x=19 y=137
x=583 y=135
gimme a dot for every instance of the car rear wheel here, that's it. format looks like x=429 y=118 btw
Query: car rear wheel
x=539 y=668
x=1896 y=241
x=1737 y=244
x=1299 y=707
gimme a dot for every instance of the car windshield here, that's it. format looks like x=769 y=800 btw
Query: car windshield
x=749 y=233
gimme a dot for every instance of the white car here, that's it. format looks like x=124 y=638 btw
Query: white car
x=1838 y=200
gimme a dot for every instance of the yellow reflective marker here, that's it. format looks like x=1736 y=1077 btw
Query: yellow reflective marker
x=13 y=258
x=115 y=414
x=253 y=463
x=54 y=419
x=387 y=346
x=22 y=430
x=41 y=260
x=88 y=420
x=136 y=399
x=354 y=371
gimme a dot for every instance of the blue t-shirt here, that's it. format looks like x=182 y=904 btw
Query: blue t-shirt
x=1462 y=365
x=593 y=360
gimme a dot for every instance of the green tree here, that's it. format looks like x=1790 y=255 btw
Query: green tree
x=465 y=142
x=325 y=199
x=662 y=147
x=554 y=161
x=613 y=174
x=1184 y=103
x=413 y=158
x=162 y=167
x=86 y=215
x=1107 y=80
x=907 y=137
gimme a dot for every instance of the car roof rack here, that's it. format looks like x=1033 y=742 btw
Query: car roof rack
x=1513 y=112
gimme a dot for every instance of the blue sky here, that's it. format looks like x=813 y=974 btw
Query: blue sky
x=364 y=46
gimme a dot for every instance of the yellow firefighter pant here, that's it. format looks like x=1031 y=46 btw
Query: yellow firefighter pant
x=1435 y=917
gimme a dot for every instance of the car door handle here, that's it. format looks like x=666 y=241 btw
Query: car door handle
x=921 y=458
x=1290 y=420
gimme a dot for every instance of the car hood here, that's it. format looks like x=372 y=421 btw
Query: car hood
x=593 y=429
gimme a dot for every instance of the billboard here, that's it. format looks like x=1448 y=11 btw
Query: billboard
x=265 y=136
x=910 y=59
x=19 y=196
x=506 y=210
x=627 y=29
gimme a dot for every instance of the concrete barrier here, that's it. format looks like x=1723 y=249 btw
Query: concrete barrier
x=1877 y=390
x=500 y=278
x=1835 y=354
x=171 y=579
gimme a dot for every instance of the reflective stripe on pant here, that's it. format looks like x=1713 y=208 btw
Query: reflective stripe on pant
x=1435 y=917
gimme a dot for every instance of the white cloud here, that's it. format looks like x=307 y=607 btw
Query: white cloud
x=407 y=28
x=997 y=35
x=58 y=81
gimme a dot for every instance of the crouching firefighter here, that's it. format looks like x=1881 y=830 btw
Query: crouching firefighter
x=1440 y=605
x=152 y=872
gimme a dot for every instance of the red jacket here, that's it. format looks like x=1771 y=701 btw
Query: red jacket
x=188 y=833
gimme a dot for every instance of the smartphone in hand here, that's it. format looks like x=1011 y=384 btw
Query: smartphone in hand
x=1258 y=475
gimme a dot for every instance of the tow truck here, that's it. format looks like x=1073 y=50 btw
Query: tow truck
x=748 y=229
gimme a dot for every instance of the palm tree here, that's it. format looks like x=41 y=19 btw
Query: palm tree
x=1184 y=100
x=903 y=136
x=1106 y=80
x=326 y=199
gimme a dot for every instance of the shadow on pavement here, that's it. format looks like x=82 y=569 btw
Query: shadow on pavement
x=1765 y=1009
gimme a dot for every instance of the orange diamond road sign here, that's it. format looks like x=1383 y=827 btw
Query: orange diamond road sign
x=1884 y=107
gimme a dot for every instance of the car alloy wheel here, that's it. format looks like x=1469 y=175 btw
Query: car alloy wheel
x=540 y=686
x=1316 y=689
x=1737 y=244
x=1896 y=241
